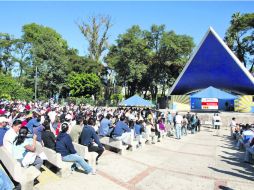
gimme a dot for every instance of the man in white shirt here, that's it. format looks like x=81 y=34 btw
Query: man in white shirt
x=232 y=126
x=11 y=134
x=52 y=116
x=178 y=121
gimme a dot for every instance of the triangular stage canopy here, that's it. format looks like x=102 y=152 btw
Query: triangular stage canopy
x=136 y=101
x=212 y=92
x=214 y=64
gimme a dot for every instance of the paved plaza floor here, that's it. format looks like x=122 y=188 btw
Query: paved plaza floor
x=200 y=161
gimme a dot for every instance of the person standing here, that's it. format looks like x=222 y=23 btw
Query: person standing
x=178 y=124
x=89 y=136
x=217 y=123
x=232 y=126
x=185 y=124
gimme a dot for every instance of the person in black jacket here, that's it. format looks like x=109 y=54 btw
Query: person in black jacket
x=47 y=136
x=65 y=147
x=89 y=136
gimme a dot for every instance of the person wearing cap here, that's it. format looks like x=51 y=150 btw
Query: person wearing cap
x=11 y=134
x=65 y=147
x=3 y=128
x=88 y=136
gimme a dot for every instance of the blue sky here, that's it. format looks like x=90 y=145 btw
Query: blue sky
x=191 y=18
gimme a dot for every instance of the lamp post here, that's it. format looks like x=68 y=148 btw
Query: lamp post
x=35 y=85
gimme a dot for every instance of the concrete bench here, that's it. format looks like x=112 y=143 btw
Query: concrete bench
x=83 y=152
x=109 y=143
x=154 y=137
x=163 y=134
x=56 y=159
x=24 y=176
x=141 y=139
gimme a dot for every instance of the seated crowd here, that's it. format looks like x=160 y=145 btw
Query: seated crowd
x=244 y=138
x=56 y=127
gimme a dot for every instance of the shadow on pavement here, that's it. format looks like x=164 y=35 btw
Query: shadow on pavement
x=235 y=159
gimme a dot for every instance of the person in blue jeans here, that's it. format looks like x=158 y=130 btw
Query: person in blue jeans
x=65 y=147
x=5 y=182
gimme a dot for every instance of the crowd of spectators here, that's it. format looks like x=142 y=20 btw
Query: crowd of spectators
x=243 y=134
x=55 y=126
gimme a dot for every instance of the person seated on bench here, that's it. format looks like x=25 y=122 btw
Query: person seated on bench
x=104 y=126
x=3 y=128
x=138 y=130
x=122 y=132
x=245 y=138
x=5 y=181
x=89 y=136
x=249 y=151
x=34 y=122
x=65 y=147
x=11 y=134
x=24 y=145
x=77 y=129
x=48 y=137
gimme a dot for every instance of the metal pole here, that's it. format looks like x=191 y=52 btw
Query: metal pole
x=35 y=85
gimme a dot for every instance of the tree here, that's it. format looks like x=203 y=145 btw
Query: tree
x=95 y=32
x=147 y=60
x=83 y=84
x=240 y=38
x=49 y=54
x=11 y=88
x=82 y=64
x=6 y=50
x=129 y=58
x=22 y=55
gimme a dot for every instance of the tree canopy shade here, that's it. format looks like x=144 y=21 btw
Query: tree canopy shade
x=212 y=92
x=213 y=64
x=136 y=101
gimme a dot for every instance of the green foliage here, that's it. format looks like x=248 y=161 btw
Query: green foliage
x=83 y=84
x=48 y=52
x=83 y=64
x=130 y=58
x=11 y=89
x=116 y=98
x=7 y=43
x=87 y=100
x=240 y=38
x=144 y=60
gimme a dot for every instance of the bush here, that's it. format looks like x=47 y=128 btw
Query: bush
x=82 y=100
x=11 y=89
x=116 y=98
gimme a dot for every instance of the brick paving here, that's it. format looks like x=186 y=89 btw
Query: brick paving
x=199 y=161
